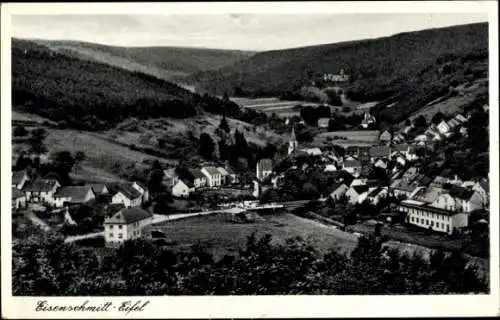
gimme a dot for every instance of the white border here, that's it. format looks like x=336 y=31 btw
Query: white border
x=258 y=306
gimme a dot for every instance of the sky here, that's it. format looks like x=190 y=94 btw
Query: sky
x=255 y=32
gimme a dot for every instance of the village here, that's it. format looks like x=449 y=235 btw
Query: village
x=386 y=175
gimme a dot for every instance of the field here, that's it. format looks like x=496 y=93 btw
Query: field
x=283 y=109
x=222 y=237
x=346 y=138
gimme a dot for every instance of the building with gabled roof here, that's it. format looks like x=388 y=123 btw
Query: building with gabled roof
x=264 y=169
x=20 y=179
x=42 y=190
x=18 y=199
x=127 y=224
x=482 y=187
x=385 y=136
x=379 y=152
x=214 y=176
x=99 y=188
x=73 y=195
x=357 y=193
x=127 y=195
x=337 y=190
x=182 y=188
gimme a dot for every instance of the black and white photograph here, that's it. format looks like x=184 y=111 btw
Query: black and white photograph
x=239 y=153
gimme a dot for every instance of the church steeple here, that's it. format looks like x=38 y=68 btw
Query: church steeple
x=293 y=143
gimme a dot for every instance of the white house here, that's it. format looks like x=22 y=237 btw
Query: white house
x=330 y=168
x=73 y=195
x=377 y=194
x=422 y=215
x=19 y=179
x=142 y=189
x=483 y=189
x=458 y=199
x=199 y=179
x=183 y=188
x=323 y=122
x=18 y=199
x=357 y=194
x=224 y=174
x=312 y=151
x=385 y=136
x=127 y=196
x=214 y=177
x=42 y=190
x=338 y=190
x=352 y=166
x=264 y=169
x=380 y=163
x=127 y=224
x=443 y=127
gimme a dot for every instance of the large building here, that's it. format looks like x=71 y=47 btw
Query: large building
x=126 y=224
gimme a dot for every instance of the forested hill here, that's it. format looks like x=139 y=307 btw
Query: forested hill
x=377 y=66
x=163 y=62
x=89 y=95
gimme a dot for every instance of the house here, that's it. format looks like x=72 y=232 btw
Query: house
x=483 y=189
x=467 y=200
x=330 y=168
x=427 y=194
x=380 y=163
x=224 y=174
x=357 y=194
x=439 y=182
x=337 y=190
x=99 y=189
x=142 y=189
x=19 y=179
x=182 y=188
x=73 y=195
x=443 y=127
x=42 y=190
x=385 y=137
x=199 y=180
x=422 y=138
x=127 y=224
x=352 y=166
x=170 y=177
x=412 y=155
x=127 y=195
x=425 y=216
x=463 y=131
x=323 y=122
x=367 y=120
x=312 y=151
x=398 y=157
x=18 y=199
x=399 y=138
x=375 y=195
x=379 y=152
x=333 y=155
x=460 y=118
x=453 y=123
x=214 y=177
x=234 y=177
x=402 y=148
x=264 y=169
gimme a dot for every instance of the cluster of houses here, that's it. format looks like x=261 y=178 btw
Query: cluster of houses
x=332 y=77
x=183 y=182
x=442 y=203
x=49 y=190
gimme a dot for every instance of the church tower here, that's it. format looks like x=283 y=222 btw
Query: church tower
x=292 y=144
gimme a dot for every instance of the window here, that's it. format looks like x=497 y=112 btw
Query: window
x=111 y=227
x=412 y=219
x=120 y=236
x=437 y=225
x=447 y=228
x=432 y=223
x=120 y=226
x=418 y=220
x=111 y=234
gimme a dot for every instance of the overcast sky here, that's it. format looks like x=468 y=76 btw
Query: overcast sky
x=228 y=31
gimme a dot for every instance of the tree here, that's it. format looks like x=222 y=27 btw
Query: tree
x=79 y=157
x=36 y=141
x=19 y=131
x=437 y=118
x=207 y=146
x=420 y=122
x=407 y=122
x=63 y=163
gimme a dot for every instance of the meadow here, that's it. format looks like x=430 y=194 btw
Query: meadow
x=220 y=236
x=346 y=138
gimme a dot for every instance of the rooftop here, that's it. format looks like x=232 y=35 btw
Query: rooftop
x=128 y=191
x=42 y=185
x=129 y=215
x=76 y=193
x=17 y=193
x=17 y=176
x=265 y=165
x=212 y=170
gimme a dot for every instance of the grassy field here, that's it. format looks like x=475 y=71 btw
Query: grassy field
x=362 y=137
x=222 y=237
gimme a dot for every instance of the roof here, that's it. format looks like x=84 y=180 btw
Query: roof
x=439 y=180
x=98 y=187
x=140 y=184
x=402 y=147
x=170 y=173
x=461 y=193
x=265 y=165
x=428 y=194
x=385 y=134
x=334 y=187
x=360 y=189
x=379 y=151
x=212 y=171
x=460 y=118
x=223 y=171
x=42 y=185
x=17 y=193
x=352 y=163
x=128 y=191
x=230 y=170
x=187 y=182
x=420 y=205
x=17 y=176
x=76 y=193
x=129 y=215
x=453 y=122
x=485 y=185
x=197 y=174
x=376 y=191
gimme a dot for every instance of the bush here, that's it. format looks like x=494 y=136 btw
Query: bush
x=20 y=131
